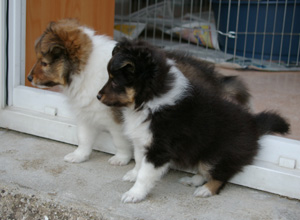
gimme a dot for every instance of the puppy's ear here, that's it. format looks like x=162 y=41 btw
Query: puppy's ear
x=56 y=49
x=116 y=49
x=124 y=44
x=51 y=25
x=128 y=66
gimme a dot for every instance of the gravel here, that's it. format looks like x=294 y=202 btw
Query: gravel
x=16 y=205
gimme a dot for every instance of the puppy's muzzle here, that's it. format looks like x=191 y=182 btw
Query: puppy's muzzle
x=99 y=96
x=30 y=78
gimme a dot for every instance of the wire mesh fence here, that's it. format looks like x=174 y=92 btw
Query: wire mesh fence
x=261 y=34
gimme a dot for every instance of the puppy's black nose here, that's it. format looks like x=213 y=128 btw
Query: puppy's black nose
x=99 y=96
x=30 y=78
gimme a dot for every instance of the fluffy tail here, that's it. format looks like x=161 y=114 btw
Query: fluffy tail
x=271 y=122
x=237 y=89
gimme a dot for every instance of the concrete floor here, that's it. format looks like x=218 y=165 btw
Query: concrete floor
x=35 y=183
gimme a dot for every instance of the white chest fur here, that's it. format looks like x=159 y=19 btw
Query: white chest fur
x=136 y=127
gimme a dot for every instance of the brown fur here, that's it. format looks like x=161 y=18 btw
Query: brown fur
x=117 y=115
x=214 y=186
x=204 y=170
x=60 y=53
x=112 y=99
x=189 y=71
x=116 y=100
x=203 y=73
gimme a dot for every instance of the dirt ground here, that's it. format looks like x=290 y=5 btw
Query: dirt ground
x=16 y=206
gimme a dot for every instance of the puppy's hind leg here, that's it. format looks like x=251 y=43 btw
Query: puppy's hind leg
x=210 y=188
x=196 y=180
x=86 y=136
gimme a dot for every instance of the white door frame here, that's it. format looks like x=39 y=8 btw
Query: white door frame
x=46 y=114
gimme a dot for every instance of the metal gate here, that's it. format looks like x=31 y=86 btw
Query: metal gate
x=261 y=34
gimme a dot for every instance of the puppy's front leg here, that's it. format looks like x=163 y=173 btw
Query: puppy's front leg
x=86 y=136
x=123 y=147
x=147 y=176
x=138 y=157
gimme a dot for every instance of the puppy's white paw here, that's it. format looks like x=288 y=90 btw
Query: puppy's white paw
x=203 y=192
x=196 y=180
x=131 y=175
x=133 y=197
x=76 y=157
x=119 y=160
x=186 y=181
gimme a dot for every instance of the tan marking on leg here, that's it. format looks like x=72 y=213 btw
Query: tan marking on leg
x=204 y=170
x=213 y=186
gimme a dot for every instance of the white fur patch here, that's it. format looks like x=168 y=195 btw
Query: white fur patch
x=131 y=175
x=196 y=180
x=146 y=179
x=139 y=152
x=136 y=128
x=181 y=84
x=92 y=116
x=202 y=191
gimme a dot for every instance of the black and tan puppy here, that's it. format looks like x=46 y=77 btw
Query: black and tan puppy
x=169 y=118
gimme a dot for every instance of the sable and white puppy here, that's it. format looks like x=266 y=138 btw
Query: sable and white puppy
x=74 y=57
x=171 y=119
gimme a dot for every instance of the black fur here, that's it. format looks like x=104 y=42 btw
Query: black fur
x=201 y=72
x=201 y=127
x=139 y=76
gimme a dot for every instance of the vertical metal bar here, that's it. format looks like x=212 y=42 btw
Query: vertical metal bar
x=122 y=14
x=274 y=34
x=246 y=32
x=236 y=30
x=264 y=34
x=200 y=13
x=129 y=12
x=138 y=17
x=298 y=55
x=191 y=13
x=172 y=25
x=154 y=25
x=181 y=18
x=163 y=25
x=255 y=31
x=209 y=31
x=227 y=28
x=291 y=35
x=218 y=22
x=282 y=31
x=147 y=21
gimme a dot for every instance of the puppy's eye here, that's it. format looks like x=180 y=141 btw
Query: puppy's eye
x=44 y=64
